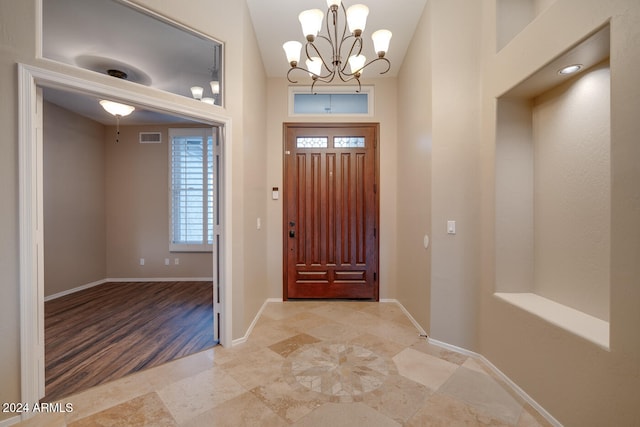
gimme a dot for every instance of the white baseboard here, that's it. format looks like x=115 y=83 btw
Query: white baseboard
x=120 y=280
x=441 y=344
x=243 y=339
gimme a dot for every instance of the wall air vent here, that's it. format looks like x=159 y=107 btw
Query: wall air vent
x=150 y=137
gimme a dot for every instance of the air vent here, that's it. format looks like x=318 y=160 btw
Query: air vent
x=150 y=137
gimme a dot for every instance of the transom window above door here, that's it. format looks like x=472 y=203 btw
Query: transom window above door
x=330 y=100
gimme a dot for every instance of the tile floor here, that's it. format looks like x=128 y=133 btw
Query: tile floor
x=309 y=364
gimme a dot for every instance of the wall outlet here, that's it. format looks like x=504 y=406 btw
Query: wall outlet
x=176 y=261
x=166 y=261
x=141 y=261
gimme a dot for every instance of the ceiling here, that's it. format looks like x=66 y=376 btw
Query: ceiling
x=101 y=35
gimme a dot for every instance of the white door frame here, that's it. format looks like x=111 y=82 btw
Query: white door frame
x=30 y=78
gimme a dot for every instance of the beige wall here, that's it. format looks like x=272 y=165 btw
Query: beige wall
x=571 y=139
x=455 y=265
x=137 y=209
x=74 y=200
x=17 y=44
x=254 y=146
x=415 y=129
x=385 y=113
x=578 y=382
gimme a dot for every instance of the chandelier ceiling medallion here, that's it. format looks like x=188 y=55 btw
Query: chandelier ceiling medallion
x=337 y=41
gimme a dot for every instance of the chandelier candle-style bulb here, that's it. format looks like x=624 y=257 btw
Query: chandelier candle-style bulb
x=356 y=62
x=311 y=21
x=381 y=39
x=357 y=18
x=314 y=65
x=292 y=50
x=335 y=52
x=197 y=92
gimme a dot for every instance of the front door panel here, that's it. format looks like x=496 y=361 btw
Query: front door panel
x=331 y=211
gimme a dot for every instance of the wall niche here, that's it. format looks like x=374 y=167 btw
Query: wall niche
x=553 y=192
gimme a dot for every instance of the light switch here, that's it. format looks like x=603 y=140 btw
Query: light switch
x=275 y=195
x=451 y=227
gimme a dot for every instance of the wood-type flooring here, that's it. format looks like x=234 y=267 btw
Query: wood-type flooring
x=106 y=332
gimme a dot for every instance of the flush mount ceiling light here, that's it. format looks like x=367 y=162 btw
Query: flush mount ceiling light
x=343 y=39
x=570 y=69
x=118 y=110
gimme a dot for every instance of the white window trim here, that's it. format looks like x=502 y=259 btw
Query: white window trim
x=368 y=89
x=190 y=247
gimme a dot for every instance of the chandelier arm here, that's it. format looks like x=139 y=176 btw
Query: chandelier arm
x=289 y=72
x=378 y=59
x=356 y=41
x=324 y=63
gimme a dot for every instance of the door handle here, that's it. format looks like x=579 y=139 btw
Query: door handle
x=292 y=233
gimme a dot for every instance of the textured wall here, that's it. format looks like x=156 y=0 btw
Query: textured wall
x=571 y=132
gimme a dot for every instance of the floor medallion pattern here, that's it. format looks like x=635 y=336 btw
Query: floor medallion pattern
x=343 y=372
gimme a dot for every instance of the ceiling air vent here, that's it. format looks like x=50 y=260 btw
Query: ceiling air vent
x=150 y=137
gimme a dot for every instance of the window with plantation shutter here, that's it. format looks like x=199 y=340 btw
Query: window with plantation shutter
x=192 y=189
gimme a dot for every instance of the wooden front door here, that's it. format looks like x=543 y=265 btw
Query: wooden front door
x=331 y=211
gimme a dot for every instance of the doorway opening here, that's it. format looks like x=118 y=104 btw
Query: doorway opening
x=31 y=79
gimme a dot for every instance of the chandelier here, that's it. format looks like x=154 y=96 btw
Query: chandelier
x=335 y=43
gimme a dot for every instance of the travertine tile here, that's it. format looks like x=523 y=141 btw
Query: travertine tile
x=143 y=411
x=446 y=411
x=45 y=420
x=311 y=363
x=334 y=331
x=286 y=347
x=482 y=393
x=344 y=372
x=254 y=368
x=195 y=395
x=424 y=368
x=244 y=410
x=290 y=403
x=346 y=415
x=398 y=398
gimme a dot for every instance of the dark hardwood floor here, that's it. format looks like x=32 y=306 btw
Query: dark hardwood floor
x=114 y=329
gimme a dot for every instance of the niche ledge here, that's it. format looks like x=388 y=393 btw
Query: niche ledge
x=574 y=321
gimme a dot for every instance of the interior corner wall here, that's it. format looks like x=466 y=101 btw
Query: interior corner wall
x=74 y=200
x=254 y=151
x=456 y=34
x=413 y=260
x=578 y=382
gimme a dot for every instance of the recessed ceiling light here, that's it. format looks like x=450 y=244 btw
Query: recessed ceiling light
x=570 y=69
